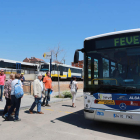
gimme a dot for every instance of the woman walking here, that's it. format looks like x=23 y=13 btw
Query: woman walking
x=74 y=87
x=15 y=101
x=7 y=93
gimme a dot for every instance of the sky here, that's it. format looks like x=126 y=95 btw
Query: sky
x=30 y=27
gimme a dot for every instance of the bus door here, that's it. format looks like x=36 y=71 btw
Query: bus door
x=94 y=73
x=61 y=70
x=18 y=67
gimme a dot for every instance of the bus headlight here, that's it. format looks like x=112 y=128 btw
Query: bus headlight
x=87 y=105
x=85 y=97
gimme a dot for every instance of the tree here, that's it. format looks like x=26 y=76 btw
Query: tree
x=56 y=51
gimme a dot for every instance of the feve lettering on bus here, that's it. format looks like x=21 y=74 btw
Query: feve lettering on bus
x=124 y=41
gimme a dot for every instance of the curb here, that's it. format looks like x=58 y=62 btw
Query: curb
x=51 y=102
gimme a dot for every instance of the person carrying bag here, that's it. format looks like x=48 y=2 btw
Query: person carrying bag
x=16 y=95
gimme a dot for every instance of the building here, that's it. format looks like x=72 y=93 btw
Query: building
x=33 y=60
x=80 y=64
x=57 y=62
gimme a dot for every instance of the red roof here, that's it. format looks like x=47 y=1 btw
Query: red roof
x=38 y=59
x=57 y=62
x=33 y=59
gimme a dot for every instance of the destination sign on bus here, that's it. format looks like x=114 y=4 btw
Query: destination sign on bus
x=118 y=42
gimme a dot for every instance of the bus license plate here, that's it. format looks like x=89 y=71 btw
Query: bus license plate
x=123 y=116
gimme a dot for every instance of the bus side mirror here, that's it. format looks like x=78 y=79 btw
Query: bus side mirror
x=76 y=57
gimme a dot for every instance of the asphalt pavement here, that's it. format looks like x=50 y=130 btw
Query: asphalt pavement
x=60 y=122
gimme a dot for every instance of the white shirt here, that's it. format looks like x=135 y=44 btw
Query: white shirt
x=73 y=85
x=41 y=83
x=14 y=82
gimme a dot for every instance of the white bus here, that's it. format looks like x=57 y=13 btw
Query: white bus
x=30 y=70
x=62 y=70
x=112 y=77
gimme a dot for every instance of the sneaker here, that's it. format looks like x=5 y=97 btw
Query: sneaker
x=31 y=112
x=48 y=105
x=40 y=113
x=4 y=117
x=17 y=120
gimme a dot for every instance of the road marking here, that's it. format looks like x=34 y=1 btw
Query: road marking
x=68 y=112
x=50 y=109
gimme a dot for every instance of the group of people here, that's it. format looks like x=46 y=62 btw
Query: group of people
x=12 y=103
x=3 y=80
x=7 y=87
x=41 y=90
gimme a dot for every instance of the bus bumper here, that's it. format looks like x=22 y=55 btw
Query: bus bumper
x=123 y=117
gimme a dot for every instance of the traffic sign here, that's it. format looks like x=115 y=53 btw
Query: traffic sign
x=47 y=55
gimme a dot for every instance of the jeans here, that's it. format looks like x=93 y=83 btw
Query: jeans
x=8 y=104
x=38 y=103
x=15 y=104
x=1 y=91
x=47 y=96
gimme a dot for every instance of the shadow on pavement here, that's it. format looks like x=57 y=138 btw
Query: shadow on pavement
x=78 y=120
x=1 y=112
x=11 y=118
x=27 y=112
x=67 y=105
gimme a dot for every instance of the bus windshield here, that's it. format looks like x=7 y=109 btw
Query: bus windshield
x=113 y=70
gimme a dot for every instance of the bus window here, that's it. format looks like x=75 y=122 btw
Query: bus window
x=112 y=68
x=89 y=70
x=96 y=71
x=105 y=67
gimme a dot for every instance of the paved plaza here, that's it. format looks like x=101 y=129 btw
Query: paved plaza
x=61 y=121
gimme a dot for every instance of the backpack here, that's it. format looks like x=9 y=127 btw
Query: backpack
x=18 y=90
